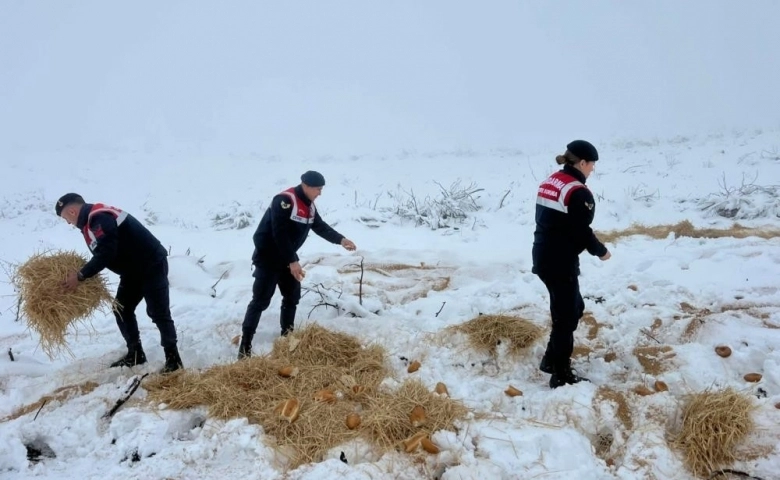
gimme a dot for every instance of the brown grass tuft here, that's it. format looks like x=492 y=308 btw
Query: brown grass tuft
x=59 y=395
x=486 y=332
x=654 y=359
x=48 y=308
x=686 y=229
x=713 y=426
x=326 y=361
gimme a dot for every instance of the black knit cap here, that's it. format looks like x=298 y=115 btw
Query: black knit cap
x=583 y=150
x=313 y=179
x=65 y=200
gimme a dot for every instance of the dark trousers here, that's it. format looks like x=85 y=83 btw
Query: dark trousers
x=566 y=308
x=266 y=280
x=152 y=286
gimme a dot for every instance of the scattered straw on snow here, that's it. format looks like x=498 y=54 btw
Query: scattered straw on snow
x=686 y=229
x=486 y=332
x=321 y=360
x=713 y=426
x=48 y=308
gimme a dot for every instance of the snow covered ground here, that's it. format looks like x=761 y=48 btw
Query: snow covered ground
x=652 y=291
x=192 y=115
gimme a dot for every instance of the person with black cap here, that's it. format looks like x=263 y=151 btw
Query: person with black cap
x=564 y=211
x=280 y=234
x=123 y=245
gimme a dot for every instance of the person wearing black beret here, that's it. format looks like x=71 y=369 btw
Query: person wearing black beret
x=280 y=234
x=565 y=209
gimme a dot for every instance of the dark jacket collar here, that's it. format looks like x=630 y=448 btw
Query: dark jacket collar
x=574 y=173
x=302 y=196
x=83 y=215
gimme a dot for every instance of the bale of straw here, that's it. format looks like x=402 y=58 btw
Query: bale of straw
x=713 y=425
x=48 y=308
x=486 y=332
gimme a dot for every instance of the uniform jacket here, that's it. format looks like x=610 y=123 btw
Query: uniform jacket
x=285 y=227
x=564 y=211
x=118 y=241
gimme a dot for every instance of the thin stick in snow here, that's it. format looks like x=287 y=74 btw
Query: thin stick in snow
x=214 y=287
x=128 y=393
x=501 y=203
x=39 y=410
x=360 y=287
x=648 y=334
x=11 y=354
x=442 y=308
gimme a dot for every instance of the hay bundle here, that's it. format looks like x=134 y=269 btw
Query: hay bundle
x=713 y=425
x=335 y=378
x=48 y=308
x=486 y=332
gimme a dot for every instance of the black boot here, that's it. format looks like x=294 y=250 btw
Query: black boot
x=546 y=366
x=567 y=377
x=245 y=348
x=172 y=360
x=287 y=320
x=135 y=356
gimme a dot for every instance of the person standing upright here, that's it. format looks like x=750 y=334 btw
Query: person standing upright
x=280 y=234
x=565 y=209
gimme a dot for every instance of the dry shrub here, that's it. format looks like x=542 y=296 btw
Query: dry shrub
x=486 y=332
x=714 y=423
x=686 y=229
x=654 y=359
x=59 y=395
x=387 y=416
x=48 y=308
x=253 y=388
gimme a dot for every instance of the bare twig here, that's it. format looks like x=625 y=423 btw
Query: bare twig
x=11 y=354
x=214 y=287
x=39 y=410
x=18 y=308
x=323 y=302
x=648 y=334
x=128 y=393
x=728 y=471
x=376 y=200
x=360 y=286
x=501 y=203
x=442 y=308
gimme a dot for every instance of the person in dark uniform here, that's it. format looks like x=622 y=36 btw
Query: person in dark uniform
x=123 y=245
x=282 y=231
x=564 y=211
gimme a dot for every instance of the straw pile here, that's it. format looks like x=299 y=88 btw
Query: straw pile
x=317 y=389
x=48 y=308
x=486 y=332
x=394 y=418
x=713 y=425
